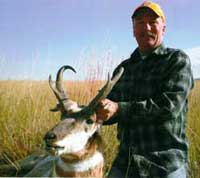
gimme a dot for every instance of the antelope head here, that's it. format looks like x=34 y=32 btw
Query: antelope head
x=77 y=126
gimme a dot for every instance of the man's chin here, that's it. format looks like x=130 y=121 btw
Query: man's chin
x=147 y=47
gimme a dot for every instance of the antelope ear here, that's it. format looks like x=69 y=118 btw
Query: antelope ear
x=56 y=108
x=92 y=118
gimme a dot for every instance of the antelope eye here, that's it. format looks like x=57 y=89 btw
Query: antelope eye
x=89 y=121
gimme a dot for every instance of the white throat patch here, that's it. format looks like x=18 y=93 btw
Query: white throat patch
x=74 y=142
x=83 y=165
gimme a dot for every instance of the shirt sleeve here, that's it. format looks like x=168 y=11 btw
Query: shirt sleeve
x=176 y=86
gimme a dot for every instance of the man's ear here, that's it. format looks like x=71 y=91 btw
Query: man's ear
x=133 y=28
x=164 y=27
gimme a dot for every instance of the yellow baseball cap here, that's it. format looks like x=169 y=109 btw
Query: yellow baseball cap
x=151 y=5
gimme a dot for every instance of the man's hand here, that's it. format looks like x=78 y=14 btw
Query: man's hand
x=106 y=109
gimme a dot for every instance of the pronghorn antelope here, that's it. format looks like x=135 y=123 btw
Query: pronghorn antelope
x=74 y=143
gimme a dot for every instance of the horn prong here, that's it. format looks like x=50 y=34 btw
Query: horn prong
x=58 y=90
x=106 y=89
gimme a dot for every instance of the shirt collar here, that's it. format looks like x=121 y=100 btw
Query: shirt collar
x=160 y=50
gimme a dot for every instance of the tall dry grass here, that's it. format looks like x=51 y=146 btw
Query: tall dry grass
x=25 y=118
x=193 y=131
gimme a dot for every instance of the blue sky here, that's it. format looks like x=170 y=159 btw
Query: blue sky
x=38 y=36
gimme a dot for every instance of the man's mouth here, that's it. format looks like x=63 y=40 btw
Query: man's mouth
x=148 y=34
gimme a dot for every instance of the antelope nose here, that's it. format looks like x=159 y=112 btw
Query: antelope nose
x=50 y=136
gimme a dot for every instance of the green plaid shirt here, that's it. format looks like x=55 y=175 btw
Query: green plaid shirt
x=152 y=96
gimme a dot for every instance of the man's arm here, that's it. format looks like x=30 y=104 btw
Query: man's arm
x=176 y=86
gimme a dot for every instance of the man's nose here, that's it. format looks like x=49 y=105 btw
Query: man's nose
x=147 y=26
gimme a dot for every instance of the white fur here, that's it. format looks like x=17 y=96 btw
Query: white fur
x=82 y=166
x=74 y=142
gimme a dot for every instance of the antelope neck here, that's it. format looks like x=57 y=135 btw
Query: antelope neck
x=81 y=166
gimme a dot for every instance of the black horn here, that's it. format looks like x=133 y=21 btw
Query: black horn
x=57 y=88
x=103 y=93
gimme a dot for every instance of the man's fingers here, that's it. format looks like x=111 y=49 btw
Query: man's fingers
x=106 y=106
x=106 y=109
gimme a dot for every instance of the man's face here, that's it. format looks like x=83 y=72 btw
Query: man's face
x=148 y=30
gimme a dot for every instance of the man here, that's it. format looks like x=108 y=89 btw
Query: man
x=149 y=103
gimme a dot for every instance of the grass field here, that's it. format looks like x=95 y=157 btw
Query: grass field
x=25 y=118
